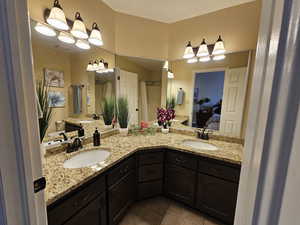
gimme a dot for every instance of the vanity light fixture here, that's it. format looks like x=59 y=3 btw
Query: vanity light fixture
x=90 y=67
x=166 y=65
x=219 y=57
x=95 y=37
x=45 y=29
x=204 y=59
x=203 y=50
x=95 y=66
x=66 y=37
x=188 y=52
x=78 y=29
x=83 y=44
x=219 y=47
x=192 y=60
x=57 y=17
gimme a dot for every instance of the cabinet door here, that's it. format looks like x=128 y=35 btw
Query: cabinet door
x=93 y=214
x=217 y=197
x=121 y=195
x=180 y=184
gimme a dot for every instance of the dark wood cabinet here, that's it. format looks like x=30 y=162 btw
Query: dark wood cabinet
x=180 y=184
x=207 y=184
x=121 y=195
x=93 y=214
x=217 y=197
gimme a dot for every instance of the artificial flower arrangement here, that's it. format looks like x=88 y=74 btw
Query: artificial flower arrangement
x=143 y=129
x=165 y=117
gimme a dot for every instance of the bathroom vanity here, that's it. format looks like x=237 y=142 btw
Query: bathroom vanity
x=203 y=180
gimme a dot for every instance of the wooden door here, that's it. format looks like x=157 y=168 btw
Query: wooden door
x=121 y=195
x=93 y=214
x=180 y=183
x=235 y=86
x=127 y=86
x=217 y=197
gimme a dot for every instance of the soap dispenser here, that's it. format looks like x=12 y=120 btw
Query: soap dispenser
x=96 y=138
x=80 y=131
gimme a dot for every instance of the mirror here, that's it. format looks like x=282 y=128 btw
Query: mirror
x=213 y=94
x=75 y=94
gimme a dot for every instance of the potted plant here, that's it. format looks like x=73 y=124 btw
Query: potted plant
x=108 y=107
x=123 y=115
x=164 y=117
x=171 y=102
x=45 y=111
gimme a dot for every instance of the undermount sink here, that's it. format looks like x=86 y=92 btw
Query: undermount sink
x=85 y=121
x=87 y=159
x=199 y=145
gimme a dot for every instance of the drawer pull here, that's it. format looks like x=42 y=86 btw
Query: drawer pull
x=179 y=160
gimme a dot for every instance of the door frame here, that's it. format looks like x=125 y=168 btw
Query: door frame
x=216 y=69
x=20 y=154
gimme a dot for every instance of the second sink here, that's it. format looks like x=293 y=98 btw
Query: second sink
x=87 y=158
x=199 y=145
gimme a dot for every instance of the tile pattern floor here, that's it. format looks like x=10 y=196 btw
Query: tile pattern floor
x=161 y=211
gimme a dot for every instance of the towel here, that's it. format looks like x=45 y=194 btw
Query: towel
x=77 y=99
x=180 y=97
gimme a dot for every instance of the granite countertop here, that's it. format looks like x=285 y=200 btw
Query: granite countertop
x=61 y=181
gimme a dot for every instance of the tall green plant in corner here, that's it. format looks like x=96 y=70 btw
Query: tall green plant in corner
x=108 y=107
x=171 y=102
x=123 y=112
x=42 y=90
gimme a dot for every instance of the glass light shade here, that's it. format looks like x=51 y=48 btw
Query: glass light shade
x=219 y=47
x=204 y=59
x=166 y=65
x=90 y=67
x=45 y=29
x=95 y=66
x=203 y=50
x=96 y=37
x=83 y=44
x=219 y=57
x=66 y=37
x=170 y=75
x=101 y=65
x=192 y=60
x=57 y=17
x=78 y=29
x=189 y=52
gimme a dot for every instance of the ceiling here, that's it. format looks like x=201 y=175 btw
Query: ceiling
x=170 y=11
x=149 y=64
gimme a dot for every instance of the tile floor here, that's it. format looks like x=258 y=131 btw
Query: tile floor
x=161 y=211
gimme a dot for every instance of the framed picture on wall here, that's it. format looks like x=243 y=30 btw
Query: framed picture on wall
x=54 y=78
x=56 y=99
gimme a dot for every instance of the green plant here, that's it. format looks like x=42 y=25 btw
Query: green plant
x=123 y=113
x=108 y=107
x=42 y=90
x=171 y=102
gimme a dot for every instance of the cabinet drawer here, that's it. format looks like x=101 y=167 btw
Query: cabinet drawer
x=151 y=157
x=218 y=170
x=182 y=159
x=120 y=171
x=60 y=212
x=149 y=189
x=150 y=172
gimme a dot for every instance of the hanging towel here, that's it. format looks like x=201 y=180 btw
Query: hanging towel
x=180 y=97
x=77 y=99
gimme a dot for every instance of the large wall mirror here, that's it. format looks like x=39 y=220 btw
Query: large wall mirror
x=212 y=95
x=76 y=95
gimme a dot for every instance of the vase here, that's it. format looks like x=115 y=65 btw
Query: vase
x=165 y=130
x=123 y=131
